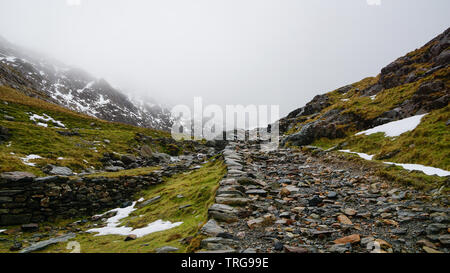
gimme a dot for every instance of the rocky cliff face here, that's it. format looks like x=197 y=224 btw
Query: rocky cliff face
x=414 y=84
x=75 y=89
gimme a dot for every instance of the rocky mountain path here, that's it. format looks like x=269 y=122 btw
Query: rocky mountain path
x=290 y=201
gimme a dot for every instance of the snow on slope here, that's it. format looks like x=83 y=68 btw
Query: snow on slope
x=411 y=167
x=113 y=224
x=75 y=89
x=395 y=128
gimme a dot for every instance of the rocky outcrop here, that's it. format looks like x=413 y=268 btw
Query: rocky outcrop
x=319 y=103
x=432 y=93
x=331 y=125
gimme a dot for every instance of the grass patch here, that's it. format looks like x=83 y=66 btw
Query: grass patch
x=396 y=175
x=126 y=173
x=198 y=190
x=428 y=144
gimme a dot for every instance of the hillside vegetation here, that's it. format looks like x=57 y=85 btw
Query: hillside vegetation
x=91 y=136
x=415 y=84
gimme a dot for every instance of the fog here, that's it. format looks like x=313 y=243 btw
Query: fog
x=261 y=52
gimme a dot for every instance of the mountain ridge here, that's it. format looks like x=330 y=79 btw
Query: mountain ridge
x=75 y=89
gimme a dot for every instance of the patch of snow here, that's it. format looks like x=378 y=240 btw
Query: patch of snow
x=395 y=128
x=26 y=160
x=411 y=167
x=373 y=97
x=345 y=99
x=113 y=228
x=425 y=169
x=60 y=158
x=40 y=119
x=102 y=101
x=174 y=159
x=89 y=85
x=8 y=58
x=1 y=230
x=362 y=155
x=140 y=199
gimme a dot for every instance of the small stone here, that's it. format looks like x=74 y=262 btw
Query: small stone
x=9 y=118
x=57 y=170
x=166 y=249
x=113 y=169
x=278 y=246
x=341 y=248
x=284 y=181
x=399 y=231
x=185 y=206
x=211 y=228
x=30 y=227
x=435 y=228
x=284 y=192
x=233 y=201
x=315 y=201
x=350 y=212
x=383 y=244
x=256 y=192
x=255 y=223
x=130 y=237
x=292 y=189
x=332 y=195
x=431 y=250
x=293 y=249
x=149 y=201
x=285 y=215
x=445 y=239
x=344 y=220
x=354 y=238
x=365 y=241
x=426 y=243
x=249 y=250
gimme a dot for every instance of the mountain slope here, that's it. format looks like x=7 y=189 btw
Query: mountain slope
x=417 y=83
x=75 y=89
x=31 y=127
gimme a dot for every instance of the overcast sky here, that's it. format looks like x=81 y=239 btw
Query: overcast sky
x=227 y=51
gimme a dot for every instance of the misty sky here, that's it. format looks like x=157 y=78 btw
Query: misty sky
x=227 y=51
